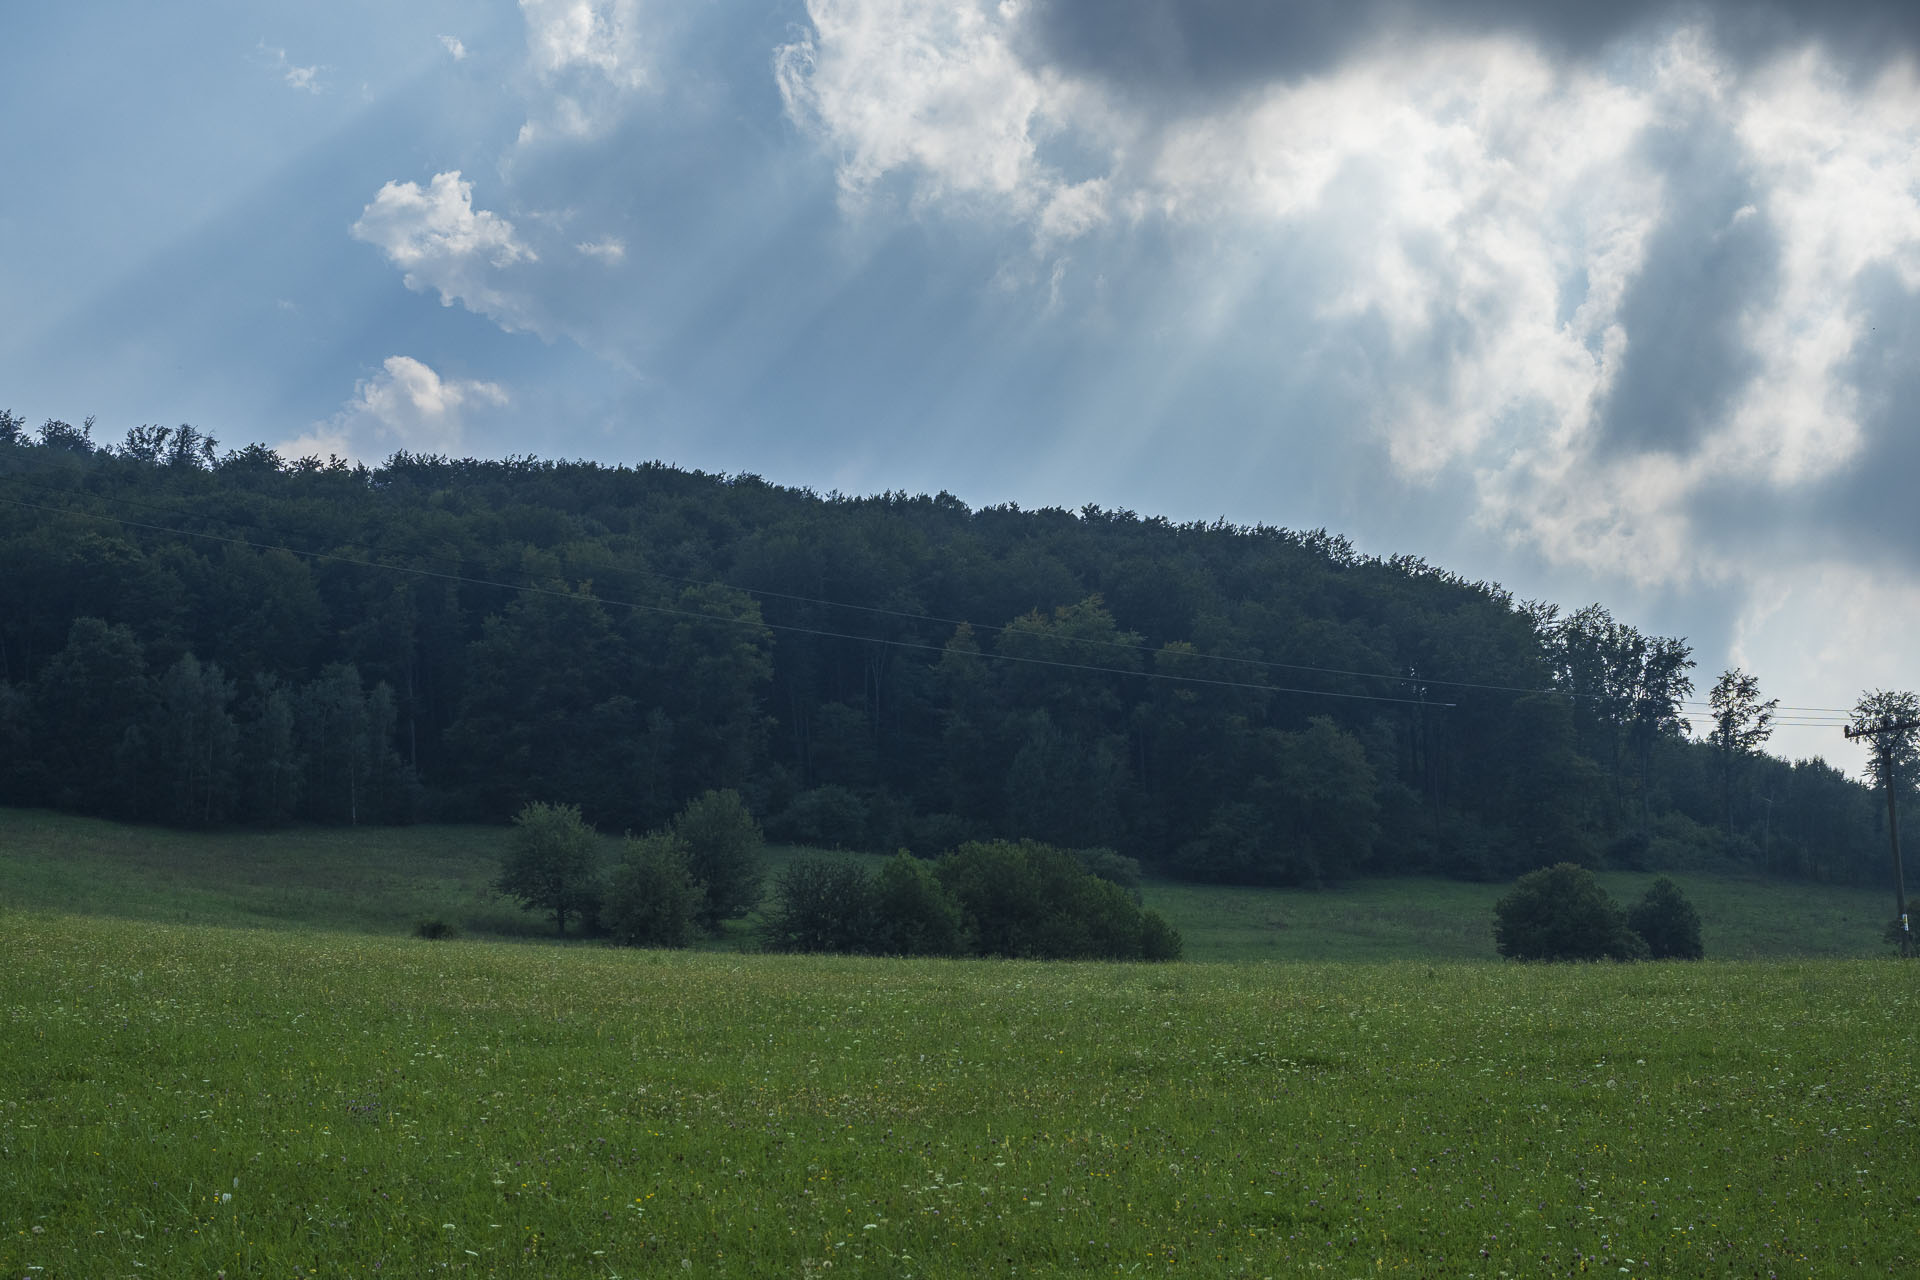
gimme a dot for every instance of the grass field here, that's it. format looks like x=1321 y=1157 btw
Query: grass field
x=197 y=1102
x=383 y=880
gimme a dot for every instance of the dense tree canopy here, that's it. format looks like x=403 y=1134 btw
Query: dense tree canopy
x=198 y=637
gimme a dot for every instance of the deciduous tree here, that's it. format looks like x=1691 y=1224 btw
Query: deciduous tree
x=1741 y=725
x=552 y=862
x=723 y=845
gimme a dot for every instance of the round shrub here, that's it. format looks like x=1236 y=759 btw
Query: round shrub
x=1562 y=913
x=1667 y=922
x=820 y=904
x=652 y=899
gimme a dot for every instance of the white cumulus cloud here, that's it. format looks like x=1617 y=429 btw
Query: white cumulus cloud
x=935 y=90
x=602 y=36
x=587 y=56
x=454 y=47
x=441 y=242
x=406 y=406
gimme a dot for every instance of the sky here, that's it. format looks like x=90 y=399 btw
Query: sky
x=1609 y=302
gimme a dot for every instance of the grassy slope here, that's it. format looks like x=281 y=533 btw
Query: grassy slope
x=198 y=1101
x=383 y=880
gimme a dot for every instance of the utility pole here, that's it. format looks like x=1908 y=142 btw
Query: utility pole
x=1885 y=734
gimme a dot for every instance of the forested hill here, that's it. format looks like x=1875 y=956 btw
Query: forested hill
x=196 y=637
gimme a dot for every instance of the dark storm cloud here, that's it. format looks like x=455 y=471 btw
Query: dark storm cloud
x=1877 y=498
x=1714 y=259
x=1207 y=48
x=1867 y=511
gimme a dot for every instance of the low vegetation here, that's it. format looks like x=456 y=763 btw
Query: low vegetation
x=1021 y=900
x=389 y=880
x=1563 y=913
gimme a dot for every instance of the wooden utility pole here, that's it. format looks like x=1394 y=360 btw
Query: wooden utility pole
x=1885 y=733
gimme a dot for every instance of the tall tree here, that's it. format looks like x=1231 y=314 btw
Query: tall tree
x=1659 y=687
x=724 y=855
x=1742 y=723
x=91 y=704
x=353 y=774
x=196 y=736
x=271 y=768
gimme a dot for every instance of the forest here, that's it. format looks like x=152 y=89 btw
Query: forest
x=200 y=638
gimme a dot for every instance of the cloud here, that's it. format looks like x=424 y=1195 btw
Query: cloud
x=406 y=406
x=1209 y=52
x=1711 y=267
x=609 y=250
x=305 y=79
x=436 y=236
x=929 y=87
x=1603 y=293
x=588 y=56
x=455 y=49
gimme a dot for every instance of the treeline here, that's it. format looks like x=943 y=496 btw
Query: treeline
x=201 y=637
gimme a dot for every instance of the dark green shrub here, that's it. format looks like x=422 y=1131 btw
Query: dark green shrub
x=1667 y=922
x=1028 y=899
x=829 y=817
x=820 y=904
x=1562 y=913
x=1115 y=868
x=913 y=914
x=434 y=929
x=652 y=899
x=723 y=846
x=1158 y=939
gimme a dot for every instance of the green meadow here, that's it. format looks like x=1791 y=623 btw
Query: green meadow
x=385 y=880
x=197 y=1101
x=226 y=1057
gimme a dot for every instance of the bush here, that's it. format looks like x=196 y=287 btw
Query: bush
x=1667 y=922
x=1115 y=868
x=723 y=847
x=820 y=904
x=913 y=914
x=552 y=863
x=1562 y=913
x=829 y=817
x=1028 y=899
x=652 y=899
x=1158 y=939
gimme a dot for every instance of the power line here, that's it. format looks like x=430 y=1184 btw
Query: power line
x=984 y=627
x=468 y=580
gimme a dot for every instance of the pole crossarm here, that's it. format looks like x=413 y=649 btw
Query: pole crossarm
x=1885 y=727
